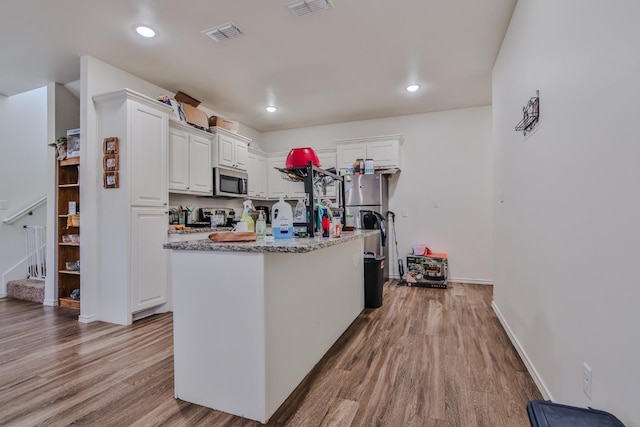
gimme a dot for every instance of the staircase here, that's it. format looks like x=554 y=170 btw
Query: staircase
x=26 y=290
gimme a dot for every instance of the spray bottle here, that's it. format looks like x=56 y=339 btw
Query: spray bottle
x=247 y=208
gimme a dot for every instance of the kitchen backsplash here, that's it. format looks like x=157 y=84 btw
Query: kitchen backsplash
x=205 y=202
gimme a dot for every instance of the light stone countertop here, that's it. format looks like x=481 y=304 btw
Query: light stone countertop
x=194 y=230
x=293 y=245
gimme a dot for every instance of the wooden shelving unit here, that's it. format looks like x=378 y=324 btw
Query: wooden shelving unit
x=68 y=191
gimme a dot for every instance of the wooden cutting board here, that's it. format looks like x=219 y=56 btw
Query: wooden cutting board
x=233 y=236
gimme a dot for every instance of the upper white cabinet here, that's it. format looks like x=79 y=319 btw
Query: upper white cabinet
x=147 y=156
x=327 y=161
x=257 y=171
x=230 y=149
x=347 y=153
x=190 y=169
x=384 y=150
x=279 y=186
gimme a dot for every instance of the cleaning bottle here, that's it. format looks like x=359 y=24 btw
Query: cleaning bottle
x=325 y=224
x=247 y=208
x=300 y=216
x=282 y=220
x=261 y=226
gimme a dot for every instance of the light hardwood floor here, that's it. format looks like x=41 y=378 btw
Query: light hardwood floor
x=427 y=357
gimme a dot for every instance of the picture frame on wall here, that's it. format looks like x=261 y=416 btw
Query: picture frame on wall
x=111 y=180
x=110 y=162
x=110 y=145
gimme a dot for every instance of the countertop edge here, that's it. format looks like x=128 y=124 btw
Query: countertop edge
x=293 y=245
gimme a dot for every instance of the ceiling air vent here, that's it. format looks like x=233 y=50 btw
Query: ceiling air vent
x=223 y=32
x=302 y=7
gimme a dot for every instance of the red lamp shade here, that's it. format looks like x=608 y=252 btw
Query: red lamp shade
x=299 y=157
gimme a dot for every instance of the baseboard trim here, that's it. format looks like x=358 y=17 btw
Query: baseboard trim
x=546 y=394
x=87 y=319
x=50 y=302
x=3 y=294
x=471 y=281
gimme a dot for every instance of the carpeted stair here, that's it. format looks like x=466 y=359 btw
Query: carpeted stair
x=26 y=290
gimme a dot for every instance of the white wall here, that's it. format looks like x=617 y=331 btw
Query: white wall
x=445 y=156
x=567 y=236
x=23 y=169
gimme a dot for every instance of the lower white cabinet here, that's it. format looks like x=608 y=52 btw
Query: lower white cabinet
x=190 y=170
x=149 y=261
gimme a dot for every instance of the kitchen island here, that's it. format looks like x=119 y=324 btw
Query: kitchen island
x=251 y=319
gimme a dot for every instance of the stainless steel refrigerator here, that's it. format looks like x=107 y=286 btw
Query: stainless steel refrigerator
x=364 y=194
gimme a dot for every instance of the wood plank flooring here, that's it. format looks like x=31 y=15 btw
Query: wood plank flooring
x=427 y=357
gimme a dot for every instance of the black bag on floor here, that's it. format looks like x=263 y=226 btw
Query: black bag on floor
x=544 y=413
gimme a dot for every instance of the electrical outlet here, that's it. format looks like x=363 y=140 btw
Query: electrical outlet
x=435 y=203
x=405 y=213
x=586 y=380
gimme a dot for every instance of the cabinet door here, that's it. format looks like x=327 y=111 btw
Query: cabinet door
x=296 y=190
x=240 y=155
x=348 y=153
x=148 y=151
x=149 y=261
x=253 y=170
x=226 y=151
x=178 y=160
x=384 y=153
x=276 y=184
x=262 y=175
x=200 y=171
x=328 y=161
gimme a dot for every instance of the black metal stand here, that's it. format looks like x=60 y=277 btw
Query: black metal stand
x=308 y=173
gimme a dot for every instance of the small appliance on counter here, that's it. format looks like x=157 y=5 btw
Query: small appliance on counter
x=220 y=216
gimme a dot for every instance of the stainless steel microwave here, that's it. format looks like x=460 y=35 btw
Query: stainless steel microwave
x=229 y=183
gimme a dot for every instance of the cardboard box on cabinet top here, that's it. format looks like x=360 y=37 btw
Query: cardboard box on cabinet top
x=195 y=117
x=183 y=97
x=230 y=125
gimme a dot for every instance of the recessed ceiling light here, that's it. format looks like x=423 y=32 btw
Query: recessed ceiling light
x=145 y=31
x=412 y=88
x=271 y=109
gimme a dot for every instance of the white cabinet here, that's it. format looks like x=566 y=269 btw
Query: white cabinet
x=148 y=259
x=147 y=155
x=257 y=174
x=190 y=169
x=348 y=153
x=132 y=269
x=279 y=186
x=384 y=150
x=230 y=149
x=327 y=161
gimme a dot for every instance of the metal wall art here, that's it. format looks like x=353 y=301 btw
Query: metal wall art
x=530 y=115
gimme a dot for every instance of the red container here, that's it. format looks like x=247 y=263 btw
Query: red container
x=299 y=157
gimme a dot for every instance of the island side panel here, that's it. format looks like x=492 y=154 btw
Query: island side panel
x=310 y=300
x=219 y=354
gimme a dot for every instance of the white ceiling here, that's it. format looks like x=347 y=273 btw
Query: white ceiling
x=347 y=63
